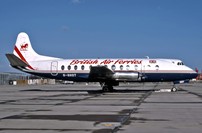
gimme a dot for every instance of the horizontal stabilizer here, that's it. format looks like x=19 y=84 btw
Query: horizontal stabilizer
x=15 y=61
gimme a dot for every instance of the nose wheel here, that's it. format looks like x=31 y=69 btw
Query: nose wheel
x=174 y=89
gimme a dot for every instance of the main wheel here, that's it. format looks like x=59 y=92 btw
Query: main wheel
x=111 y=89
x=107 y=88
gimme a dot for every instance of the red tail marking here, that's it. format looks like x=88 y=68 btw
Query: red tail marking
x=22 y=57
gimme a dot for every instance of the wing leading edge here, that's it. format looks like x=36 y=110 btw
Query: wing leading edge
x=100 y=72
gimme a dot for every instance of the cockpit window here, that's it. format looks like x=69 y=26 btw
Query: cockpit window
x=180 y=63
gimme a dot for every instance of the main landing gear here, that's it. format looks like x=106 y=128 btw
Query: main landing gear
x=108 y=86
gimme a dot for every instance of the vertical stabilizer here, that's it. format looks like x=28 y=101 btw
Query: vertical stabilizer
x=23 y=48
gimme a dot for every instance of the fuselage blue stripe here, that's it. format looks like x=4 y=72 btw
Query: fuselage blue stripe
x=148 y=77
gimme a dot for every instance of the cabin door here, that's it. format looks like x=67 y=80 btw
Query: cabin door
x=54 y=68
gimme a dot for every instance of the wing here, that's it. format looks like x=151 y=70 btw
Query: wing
x=100 y=72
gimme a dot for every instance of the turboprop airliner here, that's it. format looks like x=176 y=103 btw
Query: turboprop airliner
x=108 y=72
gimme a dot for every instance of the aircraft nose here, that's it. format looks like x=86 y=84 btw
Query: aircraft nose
x=194 y=74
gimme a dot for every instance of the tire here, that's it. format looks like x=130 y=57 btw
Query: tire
x=174 y=89
x=105 y=88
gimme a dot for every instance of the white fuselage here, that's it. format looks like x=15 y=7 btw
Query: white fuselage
x=70 y=69
x=140 y=65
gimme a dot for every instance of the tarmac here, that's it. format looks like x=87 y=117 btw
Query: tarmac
x=81 y=108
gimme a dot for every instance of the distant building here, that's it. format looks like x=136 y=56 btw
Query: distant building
x=23 y=79
x=7 y=78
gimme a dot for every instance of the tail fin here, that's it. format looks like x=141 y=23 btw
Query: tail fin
x=23 y=48
x=24 y=55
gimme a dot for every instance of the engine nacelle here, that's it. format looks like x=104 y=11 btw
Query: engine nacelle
x=126 y=76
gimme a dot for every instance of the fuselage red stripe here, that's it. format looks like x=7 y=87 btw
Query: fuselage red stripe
x=22 y=57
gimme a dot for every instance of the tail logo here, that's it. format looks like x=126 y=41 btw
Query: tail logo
x=24 y=47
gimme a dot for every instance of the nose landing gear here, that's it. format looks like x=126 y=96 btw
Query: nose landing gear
x=174 y=89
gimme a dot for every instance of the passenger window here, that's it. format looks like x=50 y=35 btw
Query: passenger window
x=127 y=67
x=121 y=67
x=82 y=67
x=157 y=67
x=113 y=67
x=69 y=67
x=136 y=67
x=75 y=67
x=62 y=67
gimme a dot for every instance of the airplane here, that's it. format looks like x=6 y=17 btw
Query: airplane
x=108 y=72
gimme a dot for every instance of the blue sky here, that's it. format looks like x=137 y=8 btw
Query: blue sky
x=105 y=28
